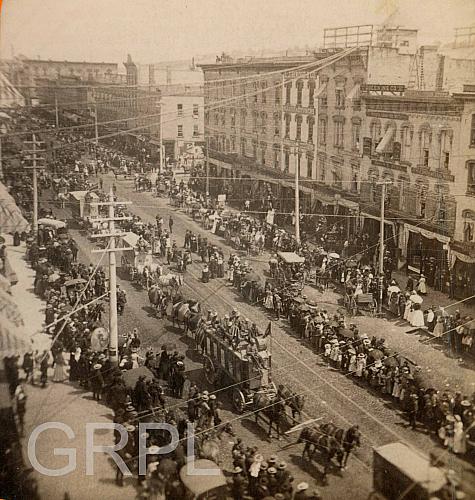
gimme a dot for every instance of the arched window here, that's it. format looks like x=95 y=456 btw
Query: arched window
x=373 y=176
x=287 y=125
x=310 y=124
x=277 y=120
x=375 y=133
x=407 y=132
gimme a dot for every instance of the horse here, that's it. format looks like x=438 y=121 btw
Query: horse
x=327 y=445
x=273 y=408
x=170 y=280
x=188 y=313
x=156 y=296
x=347 y=439
x=293 y=400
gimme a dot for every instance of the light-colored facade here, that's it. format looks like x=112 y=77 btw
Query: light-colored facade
x=182 y=119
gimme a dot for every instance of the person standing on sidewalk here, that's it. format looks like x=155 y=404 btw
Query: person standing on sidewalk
x=170 y=224
x=44 y=369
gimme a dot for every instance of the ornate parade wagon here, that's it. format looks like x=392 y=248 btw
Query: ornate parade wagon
x=364 y=302
x=228 y=364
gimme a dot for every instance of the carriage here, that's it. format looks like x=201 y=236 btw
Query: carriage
x=137 y=263
x=402 y=472
x=359 y=303
x=228 y=364
x=289 y=271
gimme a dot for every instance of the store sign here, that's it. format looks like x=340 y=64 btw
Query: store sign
x=371 y=87
x=299 y=110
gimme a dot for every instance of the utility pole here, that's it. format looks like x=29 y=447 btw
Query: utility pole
x=207 y=167
x=381 y=247
x=161 y=138
x=297 y=195
x=56 y=111
x=112 y=249
x=96 y=131
x=34 y=152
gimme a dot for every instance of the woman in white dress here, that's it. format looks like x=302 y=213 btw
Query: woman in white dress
x=421 y=286
x=269 y=300
x=417 y=316
x=460 y=444
x=360 y=365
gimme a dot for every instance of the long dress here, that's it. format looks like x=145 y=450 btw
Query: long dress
x=407 y=310
x=421 y=286
x=417 y=317
x=460 y=444
x=59 y=368
x=269 y=300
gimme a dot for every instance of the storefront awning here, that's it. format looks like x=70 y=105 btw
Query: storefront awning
x=11 y=218
x=460 y=256
x=385 y=141
x=427 y=234
x=387 y=222
x=354 y=92
x=351 y=205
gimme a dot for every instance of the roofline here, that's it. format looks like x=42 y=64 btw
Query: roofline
x=66 y=62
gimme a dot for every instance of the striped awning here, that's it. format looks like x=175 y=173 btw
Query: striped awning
x=11 y=218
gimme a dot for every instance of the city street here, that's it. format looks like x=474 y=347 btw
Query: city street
x=330 y=396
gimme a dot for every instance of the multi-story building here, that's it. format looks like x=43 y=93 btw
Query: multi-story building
x=421 y=143
x=24 y=72
x=137 y=106
x=183 y=118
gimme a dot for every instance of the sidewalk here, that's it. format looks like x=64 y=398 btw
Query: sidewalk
x=435 y=298
x=31 y=306
x=64 y=403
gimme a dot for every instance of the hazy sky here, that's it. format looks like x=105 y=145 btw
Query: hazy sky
x=154 y=30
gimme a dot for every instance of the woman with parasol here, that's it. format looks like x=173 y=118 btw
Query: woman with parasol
x=416 y=318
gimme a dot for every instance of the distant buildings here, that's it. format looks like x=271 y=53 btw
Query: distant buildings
x=183 y=118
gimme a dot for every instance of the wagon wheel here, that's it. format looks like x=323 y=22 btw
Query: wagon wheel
x=239 y=401
x=210 y=371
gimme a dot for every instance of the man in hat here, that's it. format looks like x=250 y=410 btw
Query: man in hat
x=239 y=485
x=413 y=409
x=301 y=493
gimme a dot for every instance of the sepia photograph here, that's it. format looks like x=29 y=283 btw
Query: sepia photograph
x=237 y=249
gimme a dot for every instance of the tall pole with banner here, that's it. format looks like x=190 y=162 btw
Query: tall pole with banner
x=381 y=248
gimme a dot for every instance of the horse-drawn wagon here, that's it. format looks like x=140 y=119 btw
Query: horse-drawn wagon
x=402 y=472
x=361 y=302
x=290 y=270
x=231 y=364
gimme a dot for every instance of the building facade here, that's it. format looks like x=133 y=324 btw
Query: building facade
x=183 y=119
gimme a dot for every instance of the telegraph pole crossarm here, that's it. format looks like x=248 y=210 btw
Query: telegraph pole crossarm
x=111 y=250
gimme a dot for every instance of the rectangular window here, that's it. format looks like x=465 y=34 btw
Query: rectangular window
x=446 y=160
x=425 y=157
x=288 y=90
x=338 y=135
x=196 y=131
x=264 y=92
x=311 y=94
x=339 y=98
x=179 y=108
x=322 y=131
x=195 y=110
x=324 y=101
x=180 y=131
x=278 y=92
x=298 y=134
x=356 y=135
x=263 y=156
x=310 y=132
x=276 y=158
x=299 y=93
x=287 y=161
x=471 y=178
x=472 y=132
x=309 y=167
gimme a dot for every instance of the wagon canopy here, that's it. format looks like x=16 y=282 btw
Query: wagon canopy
x=130 y=239
x=200 y=484
x=291 y=257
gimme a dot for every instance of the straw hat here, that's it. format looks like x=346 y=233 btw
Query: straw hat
x=302 y=486
x=129 y=428
x=237 y=470
x=97 y=366
x=271 y=470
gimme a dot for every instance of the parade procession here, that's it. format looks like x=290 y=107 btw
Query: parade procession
x=248 y=275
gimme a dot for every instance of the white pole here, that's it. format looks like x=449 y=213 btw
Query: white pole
x=113 y=330
x=96 y=132
x=207 y=167
x=297 y=197
x=56 y=111
x=381 y=247
x=161 y=139
x=35 y=189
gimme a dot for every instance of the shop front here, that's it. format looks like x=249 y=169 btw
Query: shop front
x=426 y=252
x=462 y=262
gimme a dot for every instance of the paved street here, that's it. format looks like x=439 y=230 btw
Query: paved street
x=329 y=395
